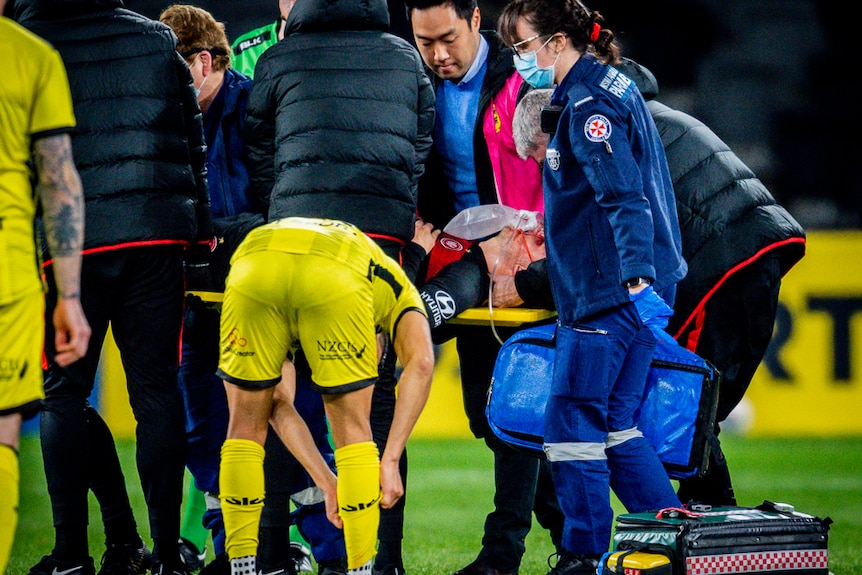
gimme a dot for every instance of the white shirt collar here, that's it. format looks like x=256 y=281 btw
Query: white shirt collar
x=478 y=61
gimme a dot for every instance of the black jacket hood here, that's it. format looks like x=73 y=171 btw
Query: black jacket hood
x=642 y=77
x=338 y=15
x=24 y=10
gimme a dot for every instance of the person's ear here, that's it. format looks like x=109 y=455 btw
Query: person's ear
x=476 y=19
x=206 y=62
x=558 y=42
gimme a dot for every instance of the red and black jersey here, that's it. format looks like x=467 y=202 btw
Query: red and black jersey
x=448 y=249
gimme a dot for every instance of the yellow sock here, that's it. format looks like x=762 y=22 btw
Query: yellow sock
x=358 y=468
x=9 y=476
x=241 y=493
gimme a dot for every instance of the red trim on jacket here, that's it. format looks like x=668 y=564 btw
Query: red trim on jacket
x=693 y=337
x=398 y=241
x=136 y=244
x=698 y=313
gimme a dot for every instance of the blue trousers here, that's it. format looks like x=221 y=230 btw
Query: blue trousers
x=590 y=435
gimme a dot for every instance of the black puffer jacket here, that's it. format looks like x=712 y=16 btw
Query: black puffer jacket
x=340 y=119
x=726 y=215
x=138 y=144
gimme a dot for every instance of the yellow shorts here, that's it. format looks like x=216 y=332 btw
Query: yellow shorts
x=276 y=303
x=22 y=335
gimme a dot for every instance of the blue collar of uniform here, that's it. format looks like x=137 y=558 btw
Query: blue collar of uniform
x=235 y=83
x=576 y=74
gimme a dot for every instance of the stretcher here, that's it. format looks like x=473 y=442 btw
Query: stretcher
x=504 y=317
x=207 y=296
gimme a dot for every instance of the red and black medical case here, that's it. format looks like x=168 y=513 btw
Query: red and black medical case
x=771 y=538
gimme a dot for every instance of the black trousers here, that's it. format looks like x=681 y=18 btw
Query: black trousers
x=737 y=327
x=523 y=482
x=391 y=529
x=139 y=292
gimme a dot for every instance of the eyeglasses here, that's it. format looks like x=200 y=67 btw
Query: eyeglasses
x=516 y=47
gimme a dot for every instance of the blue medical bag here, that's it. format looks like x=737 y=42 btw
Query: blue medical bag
x=677 y=415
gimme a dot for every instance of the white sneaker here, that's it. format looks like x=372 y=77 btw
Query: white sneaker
x=301 y=556
x=244 y=565
x=363 y=570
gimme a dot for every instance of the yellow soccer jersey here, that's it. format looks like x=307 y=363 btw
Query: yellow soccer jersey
x=34 y=101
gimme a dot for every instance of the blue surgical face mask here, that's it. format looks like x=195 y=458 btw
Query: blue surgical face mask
x=199 y=88
x=527 y=66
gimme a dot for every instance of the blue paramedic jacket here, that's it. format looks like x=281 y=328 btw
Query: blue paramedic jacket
x=610 y=212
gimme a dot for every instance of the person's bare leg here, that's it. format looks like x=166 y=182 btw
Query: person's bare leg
x=358 y=466
x=241 y=484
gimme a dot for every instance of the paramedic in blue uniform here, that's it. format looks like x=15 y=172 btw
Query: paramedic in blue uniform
x=614 y=250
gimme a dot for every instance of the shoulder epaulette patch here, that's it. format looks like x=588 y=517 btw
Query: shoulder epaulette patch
x=616 y=83
x=582 y=101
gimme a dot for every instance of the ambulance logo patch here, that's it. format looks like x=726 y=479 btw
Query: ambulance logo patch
x=597 y=128
x=553 y=158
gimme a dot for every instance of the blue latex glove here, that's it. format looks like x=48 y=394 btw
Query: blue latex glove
x=652 y=309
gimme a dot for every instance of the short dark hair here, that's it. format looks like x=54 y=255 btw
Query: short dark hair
x=463 y=8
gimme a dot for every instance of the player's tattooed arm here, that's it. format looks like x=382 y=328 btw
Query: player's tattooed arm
x=59 y=190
